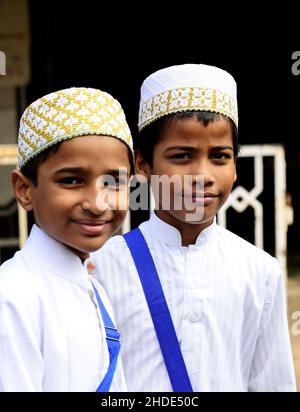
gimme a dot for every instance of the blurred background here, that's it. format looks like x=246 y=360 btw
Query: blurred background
x=50 y=45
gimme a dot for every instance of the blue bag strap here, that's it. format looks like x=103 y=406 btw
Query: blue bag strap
x=159 y=310
x=113 y=343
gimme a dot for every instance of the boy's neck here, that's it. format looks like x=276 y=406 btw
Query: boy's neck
x=189 y=232
x=82 y=256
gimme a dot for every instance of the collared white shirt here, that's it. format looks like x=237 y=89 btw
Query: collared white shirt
x=52 y=336
x=227 y=302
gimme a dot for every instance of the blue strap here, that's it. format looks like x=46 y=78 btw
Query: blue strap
x=113 y=343
x=159 y=311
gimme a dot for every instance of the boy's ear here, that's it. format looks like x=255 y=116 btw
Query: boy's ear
x=235 y=174
x=22 y=188
x=141 y=166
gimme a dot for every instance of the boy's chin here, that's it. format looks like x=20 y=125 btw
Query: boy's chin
x=191 y=221
x=84 y=250
x=95 y=246
x=191 y=218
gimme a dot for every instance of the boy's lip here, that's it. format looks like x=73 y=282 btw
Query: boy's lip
x=202 y=198
x=91 y=227
x=90 y=222
x=207 y=194
x=202 y=195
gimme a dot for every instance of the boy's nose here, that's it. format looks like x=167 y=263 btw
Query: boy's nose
x=204 y=172
x=95 y=201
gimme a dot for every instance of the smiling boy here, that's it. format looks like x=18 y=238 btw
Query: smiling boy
x=56 y=331
x=200 y=309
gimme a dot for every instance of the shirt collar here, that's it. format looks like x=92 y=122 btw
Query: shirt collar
x=169 y=234
x=55 y=257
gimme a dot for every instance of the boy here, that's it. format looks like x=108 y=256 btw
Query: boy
x=55 y=332
x=199 y=308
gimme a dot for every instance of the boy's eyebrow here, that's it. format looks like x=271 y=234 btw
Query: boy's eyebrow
x=192 y=148
x=117 y=172
x=180 y=148
x=82 y=170
x=70 y=170
x=222 y=148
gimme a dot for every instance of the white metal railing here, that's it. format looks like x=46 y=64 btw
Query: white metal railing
x=240 y=198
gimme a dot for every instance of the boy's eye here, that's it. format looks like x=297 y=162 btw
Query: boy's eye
x=183 y=156
x=221 y=156
x=115 y=183
x=70 y=180
x=112 y=183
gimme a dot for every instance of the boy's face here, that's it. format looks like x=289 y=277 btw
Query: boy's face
x=201 y=163
x=71 y=203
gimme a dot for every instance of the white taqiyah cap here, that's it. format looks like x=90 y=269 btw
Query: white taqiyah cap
x=69 y=113
x=187 y=87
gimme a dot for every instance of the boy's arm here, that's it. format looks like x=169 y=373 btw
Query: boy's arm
x=272 y=367
x=21 y=363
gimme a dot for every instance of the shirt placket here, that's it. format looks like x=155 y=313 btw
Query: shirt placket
x=104 y=362
x=192 y=319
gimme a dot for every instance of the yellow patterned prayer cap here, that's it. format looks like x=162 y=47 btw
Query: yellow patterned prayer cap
x=187 y=87
x=69 y=113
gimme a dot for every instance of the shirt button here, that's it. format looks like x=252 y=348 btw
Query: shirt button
x=89 y=265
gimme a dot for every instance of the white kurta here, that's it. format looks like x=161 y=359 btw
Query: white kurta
x=226 y=298
x=52 y=336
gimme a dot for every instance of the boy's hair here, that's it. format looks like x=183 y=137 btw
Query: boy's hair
x=149 y=136
x=30 y=170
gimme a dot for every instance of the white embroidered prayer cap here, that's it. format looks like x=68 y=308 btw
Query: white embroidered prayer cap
x=187 y=87
x=69 y=113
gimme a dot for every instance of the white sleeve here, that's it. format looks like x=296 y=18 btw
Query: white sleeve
x=272 y=367
x=21 y=362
